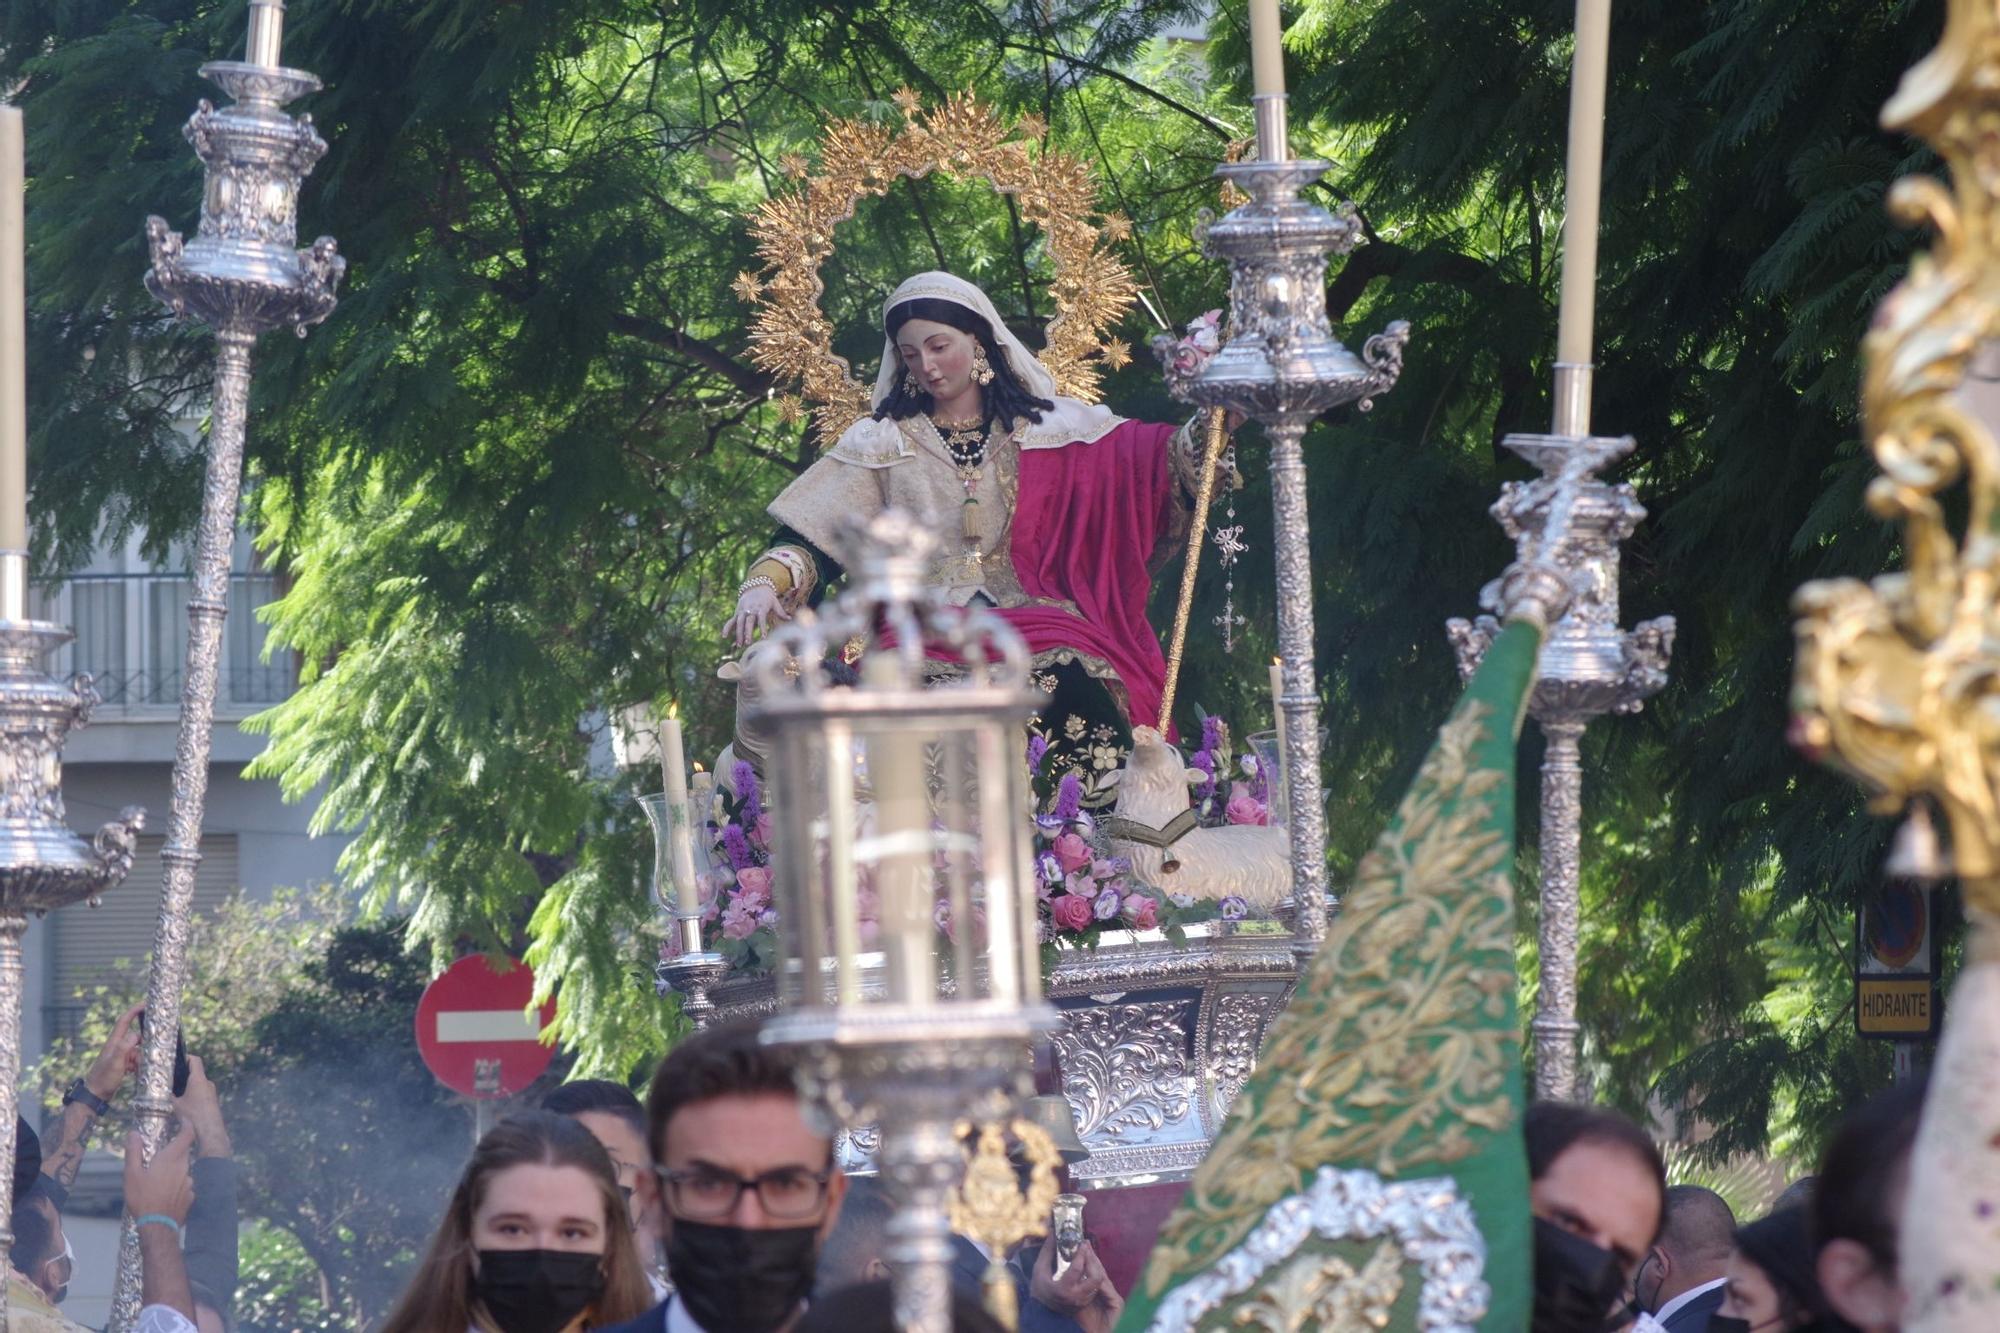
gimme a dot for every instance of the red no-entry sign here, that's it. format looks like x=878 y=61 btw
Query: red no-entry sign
x=475 y=1032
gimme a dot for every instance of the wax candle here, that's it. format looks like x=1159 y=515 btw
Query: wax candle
x=1267 y=52
x=267 y=33
x=680 y=830
x=13 y=337
x=1583 y=177
x=903 y=870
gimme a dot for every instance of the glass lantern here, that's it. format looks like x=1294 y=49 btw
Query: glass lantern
x=911 y=976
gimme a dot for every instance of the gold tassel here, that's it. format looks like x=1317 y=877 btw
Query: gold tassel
x=999 y=1298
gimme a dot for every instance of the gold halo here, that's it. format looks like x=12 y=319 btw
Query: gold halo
x=792 y=339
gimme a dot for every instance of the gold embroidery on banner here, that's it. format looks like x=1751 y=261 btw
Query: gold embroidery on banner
x=1323 y=1292
x=1382 y=1070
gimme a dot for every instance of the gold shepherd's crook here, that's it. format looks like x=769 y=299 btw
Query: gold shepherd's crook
x=1218 y=439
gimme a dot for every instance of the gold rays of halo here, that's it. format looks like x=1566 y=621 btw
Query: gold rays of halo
x=792 y=338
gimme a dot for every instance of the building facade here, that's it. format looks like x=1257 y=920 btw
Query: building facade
x=130 y=620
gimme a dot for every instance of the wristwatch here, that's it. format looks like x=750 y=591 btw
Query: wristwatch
x=79 y=1091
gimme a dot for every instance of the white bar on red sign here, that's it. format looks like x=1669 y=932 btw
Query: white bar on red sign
x=489 y=1025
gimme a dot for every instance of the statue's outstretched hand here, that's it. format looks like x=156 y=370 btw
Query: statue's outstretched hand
x=756 y=611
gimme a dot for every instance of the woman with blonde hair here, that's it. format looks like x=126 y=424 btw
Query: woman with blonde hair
x=536 y=1239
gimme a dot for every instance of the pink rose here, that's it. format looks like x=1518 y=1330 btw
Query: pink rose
x=760 y=832
x=1244 y=808
x=739 y=923
x=1072 y=912
x=1141 y=911
x=753 y=886
x=1072 y=853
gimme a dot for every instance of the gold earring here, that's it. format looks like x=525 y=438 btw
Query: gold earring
x=982 y=369
x=912 y=385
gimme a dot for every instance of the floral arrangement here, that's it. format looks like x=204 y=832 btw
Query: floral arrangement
x=1082 y=887
x=1182 y=359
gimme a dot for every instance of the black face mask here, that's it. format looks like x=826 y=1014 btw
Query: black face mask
x=741 y=1280
x=1577 y=1284
x=537 y=1291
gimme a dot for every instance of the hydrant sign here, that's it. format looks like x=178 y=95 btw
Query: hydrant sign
x=476 y=1033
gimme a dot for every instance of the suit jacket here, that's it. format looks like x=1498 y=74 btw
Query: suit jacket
x=1693 y=1317
x=653 y=1321
x=968 y=1273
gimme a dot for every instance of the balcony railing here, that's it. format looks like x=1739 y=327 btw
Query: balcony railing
x=131 y=636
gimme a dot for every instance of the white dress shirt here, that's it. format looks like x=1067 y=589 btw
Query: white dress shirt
x=680 y=1321
x=164 y=1319
x=1667 y=1311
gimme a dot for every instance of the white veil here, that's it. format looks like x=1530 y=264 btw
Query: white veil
x=1072 y=421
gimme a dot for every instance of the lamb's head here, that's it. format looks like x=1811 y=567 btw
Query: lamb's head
x=1153 y=784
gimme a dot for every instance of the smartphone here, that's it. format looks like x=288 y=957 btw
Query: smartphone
x=1066 y=1220
x=180 y=1056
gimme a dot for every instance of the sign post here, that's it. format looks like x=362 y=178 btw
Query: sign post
x=477 y=1034
x=1895 y=973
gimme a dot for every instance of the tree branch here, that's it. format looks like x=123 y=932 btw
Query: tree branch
x=745 y=378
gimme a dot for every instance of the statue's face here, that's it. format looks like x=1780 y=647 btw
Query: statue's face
x=940 y=355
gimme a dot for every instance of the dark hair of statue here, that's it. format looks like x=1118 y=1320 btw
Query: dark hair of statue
x=440 y=1294
x=1006 y=399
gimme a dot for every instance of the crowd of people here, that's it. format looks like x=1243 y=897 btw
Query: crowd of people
x=1616 y=1248
x=718 y=1206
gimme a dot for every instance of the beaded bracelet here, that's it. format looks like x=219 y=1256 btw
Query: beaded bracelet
x=757 y=581
x=159 y=1220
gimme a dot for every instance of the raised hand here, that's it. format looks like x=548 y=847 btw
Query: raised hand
x=757 y=610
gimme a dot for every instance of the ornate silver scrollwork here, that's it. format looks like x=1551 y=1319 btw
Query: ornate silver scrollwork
x=1125 y=1068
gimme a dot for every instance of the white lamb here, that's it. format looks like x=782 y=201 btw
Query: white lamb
x=1249 y=860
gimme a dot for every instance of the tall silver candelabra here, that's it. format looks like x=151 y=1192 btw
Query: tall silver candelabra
x=43 y=865
x=1283 y=367
x=1589 y=666
x=242 y=275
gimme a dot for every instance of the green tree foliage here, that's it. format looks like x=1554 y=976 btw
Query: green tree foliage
x=346 y=1146
x=1743 y=247
x=516 y=476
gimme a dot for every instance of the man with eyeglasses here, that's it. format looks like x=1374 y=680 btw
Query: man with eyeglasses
x=748 y=1191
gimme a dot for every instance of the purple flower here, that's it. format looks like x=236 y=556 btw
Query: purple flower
x=1038 y=750
x=1069 y=798
x=1204 y=761
x=1260 y=781
x=737 y=845
x=1211 y=734
x=749 y=799
x=1233 y=908
x=1107 y=904
x=1047 y=870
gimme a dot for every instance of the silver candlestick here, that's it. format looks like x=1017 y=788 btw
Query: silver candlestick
x=1589 y=667
x=43 y=865
x=243 y=275
x=1283 y=367
x=693 y=972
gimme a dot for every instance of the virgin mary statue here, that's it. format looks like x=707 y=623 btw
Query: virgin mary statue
x=1055 y=510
